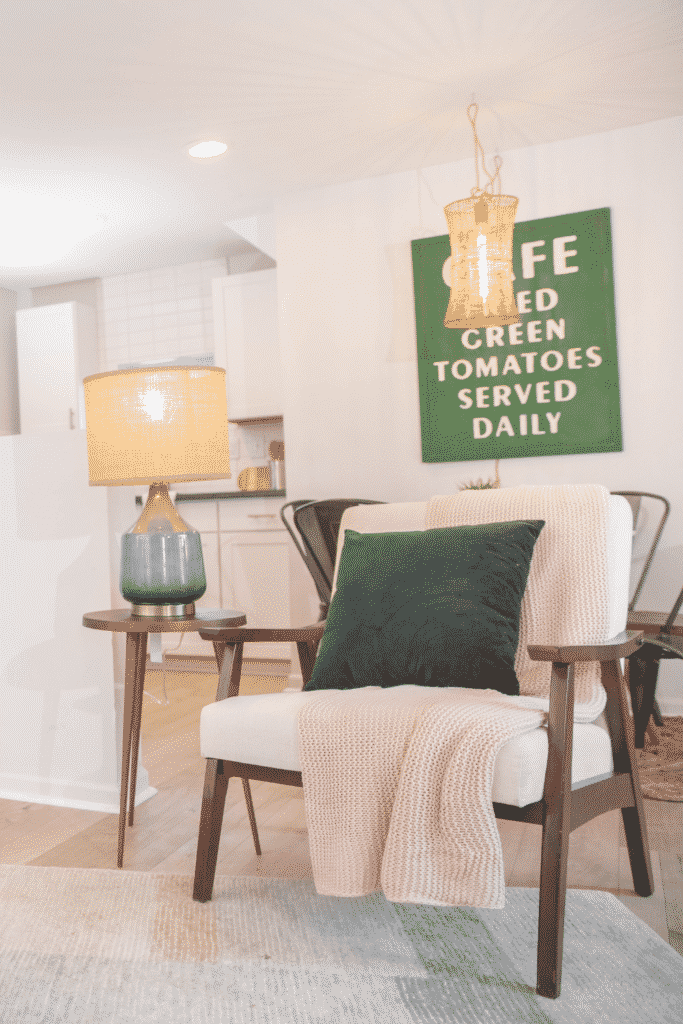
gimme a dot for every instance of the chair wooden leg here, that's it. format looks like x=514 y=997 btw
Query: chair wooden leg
x=643 y=672
x=657 y=714
x=624 y=756
x=307 y=655
x=229 y=659
x=252 y=816
x=213 y=804
x=556 y=828
x=638 y=849
x=551 y=905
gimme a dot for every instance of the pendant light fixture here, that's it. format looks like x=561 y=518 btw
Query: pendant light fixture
x=480 y=230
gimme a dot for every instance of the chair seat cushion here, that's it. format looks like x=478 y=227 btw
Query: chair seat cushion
x=261 y=729
x=427 y=607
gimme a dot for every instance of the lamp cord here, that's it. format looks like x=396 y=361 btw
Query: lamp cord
x=479 y=154
x=165 y=701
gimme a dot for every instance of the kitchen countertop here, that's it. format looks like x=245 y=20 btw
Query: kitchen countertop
x=223 y=495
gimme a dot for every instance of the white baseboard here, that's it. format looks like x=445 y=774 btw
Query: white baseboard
x=65 y=793
x=671 y=707
x=207 y=664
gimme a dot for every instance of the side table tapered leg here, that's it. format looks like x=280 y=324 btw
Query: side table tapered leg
x=136 y=652
x=140 y=661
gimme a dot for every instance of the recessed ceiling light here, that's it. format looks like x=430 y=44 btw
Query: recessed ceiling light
x=39 y=229
x=204 y=149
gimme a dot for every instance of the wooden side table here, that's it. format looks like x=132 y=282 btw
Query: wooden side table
x=136 y=629
x=644 y=665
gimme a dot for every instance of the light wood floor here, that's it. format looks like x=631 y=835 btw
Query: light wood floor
x=164 y=837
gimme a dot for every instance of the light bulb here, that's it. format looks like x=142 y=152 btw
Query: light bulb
x=483 y=267
x=206 y=149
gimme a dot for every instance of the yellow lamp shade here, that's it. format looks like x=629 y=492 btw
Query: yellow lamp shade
x=480 y=230
x=162 y=424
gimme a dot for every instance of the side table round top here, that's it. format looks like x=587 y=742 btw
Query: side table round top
x=120 y=620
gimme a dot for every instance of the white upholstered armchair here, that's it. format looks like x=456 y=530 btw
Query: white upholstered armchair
x=550 y=743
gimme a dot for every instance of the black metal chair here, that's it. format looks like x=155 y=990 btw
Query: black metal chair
x=663 y=640
x=635 y=500
x=643 y=667
x=317 y=523
x=310 y=564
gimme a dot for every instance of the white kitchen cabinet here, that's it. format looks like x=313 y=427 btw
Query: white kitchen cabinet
x=212 y=567
x=255 y=573
x=202 y=516
x=239 y=514
x=247 y=344
x=56 y=349
x=191 y=644
x=251 y=565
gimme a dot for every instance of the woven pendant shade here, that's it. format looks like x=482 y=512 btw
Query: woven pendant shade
x=480 y=230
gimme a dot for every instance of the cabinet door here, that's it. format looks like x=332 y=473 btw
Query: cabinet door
x=56 y=349
x=247 y=344
x=255 y=569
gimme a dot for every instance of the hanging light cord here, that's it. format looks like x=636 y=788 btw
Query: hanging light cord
x=477 y=191
x=479 y=155
x=498 y=163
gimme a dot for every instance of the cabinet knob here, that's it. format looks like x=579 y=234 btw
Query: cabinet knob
x=260 y=515
x=72 y=425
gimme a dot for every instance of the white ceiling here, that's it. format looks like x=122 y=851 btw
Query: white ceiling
x=99 y=101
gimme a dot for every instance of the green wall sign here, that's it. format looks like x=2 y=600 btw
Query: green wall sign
x=548 y=385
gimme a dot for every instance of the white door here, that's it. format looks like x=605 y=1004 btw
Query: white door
x=56 y=348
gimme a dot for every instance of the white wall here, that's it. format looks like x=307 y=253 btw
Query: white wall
x=61 y=721
x=157 y=314
x=347 y=329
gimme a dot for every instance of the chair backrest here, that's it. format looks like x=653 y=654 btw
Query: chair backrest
x=318 y=523
x=635 y=500
x=411 y=516
x=309 y=561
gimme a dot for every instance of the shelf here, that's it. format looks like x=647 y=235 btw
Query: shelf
x=248 y=421
x=222 y=496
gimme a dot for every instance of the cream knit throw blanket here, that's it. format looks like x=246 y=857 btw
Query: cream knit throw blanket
x=397 y=782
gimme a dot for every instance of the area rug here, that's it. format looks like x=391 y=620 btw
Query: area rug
x=660 y=762
x=93 y=946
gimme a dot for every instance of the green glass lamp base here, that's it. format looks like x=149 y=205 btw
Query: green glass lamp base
x=162 y=567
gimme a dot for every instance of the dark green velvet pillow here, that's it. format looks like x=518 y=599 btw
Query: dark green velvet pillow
x=430 y=607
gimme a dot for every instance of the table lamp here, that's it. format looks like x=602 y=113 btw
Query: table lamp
x=158 y=426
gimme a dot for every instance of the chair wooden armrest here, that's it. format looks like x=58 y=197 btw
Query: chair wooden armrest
x=232 y=641
x=620 y=646
x=255 y=634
